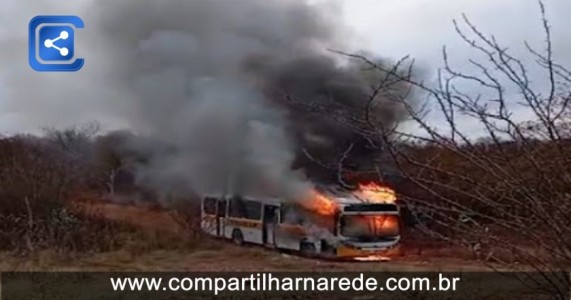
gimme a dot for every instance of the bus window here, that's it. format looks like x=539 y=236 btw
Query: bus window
x=369 y=226
x=253 y=210
x=289 y=215
x=209 y=206
x=242 y=208
x=235 y=209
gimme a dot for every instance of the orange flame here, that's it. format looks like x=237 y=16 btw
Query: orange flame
x=320 y=204
x=384 y=222
x=372 y=192
x=380 y=224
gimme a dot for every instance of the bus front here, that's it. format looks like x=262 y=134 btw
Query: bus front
x=367 y=230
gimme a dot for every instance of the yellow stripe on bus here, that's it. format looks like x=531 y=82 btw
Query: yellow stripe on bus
x=244 y=222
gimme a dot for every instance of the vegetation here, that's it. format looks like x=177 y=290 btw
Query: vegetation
x=46 y=185
x=484 y=177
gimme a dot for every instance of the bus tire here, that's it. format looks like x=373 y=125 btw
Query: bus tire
x=307 y=249
x=237 y=237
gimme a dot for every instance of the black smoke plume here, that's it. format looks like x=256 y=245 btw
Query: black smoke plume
x=222 y=95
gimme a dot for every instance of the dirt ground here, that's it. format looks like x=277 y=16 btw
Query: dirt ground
x=218 y=255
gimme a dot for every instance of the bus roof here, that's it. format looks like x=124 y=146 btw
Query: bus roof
x=265 y=200
x=342 y=200
x=348 y=200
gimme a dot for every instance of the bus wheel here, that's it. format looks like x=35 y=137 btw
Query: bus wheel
x=307 y=249
x=237 y=237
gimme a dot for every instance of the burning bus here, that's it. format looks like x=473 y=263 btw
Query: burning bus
x=362 y=224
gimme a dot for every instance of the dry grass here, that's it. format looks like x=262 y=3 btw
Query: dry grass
x=164 y=241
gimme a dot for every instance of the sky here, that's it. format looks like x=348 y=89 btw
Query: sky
x=389 y=28
x=421 y=27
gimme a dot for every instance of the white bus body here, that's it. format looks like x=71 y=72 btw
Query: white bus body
x=271 y=222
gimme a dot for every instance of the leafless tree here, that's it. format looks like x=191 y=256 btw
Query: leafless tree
x=33 y=186
x=502 y=186
x=76 y=151
x=110 y=161
x=38 y=177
